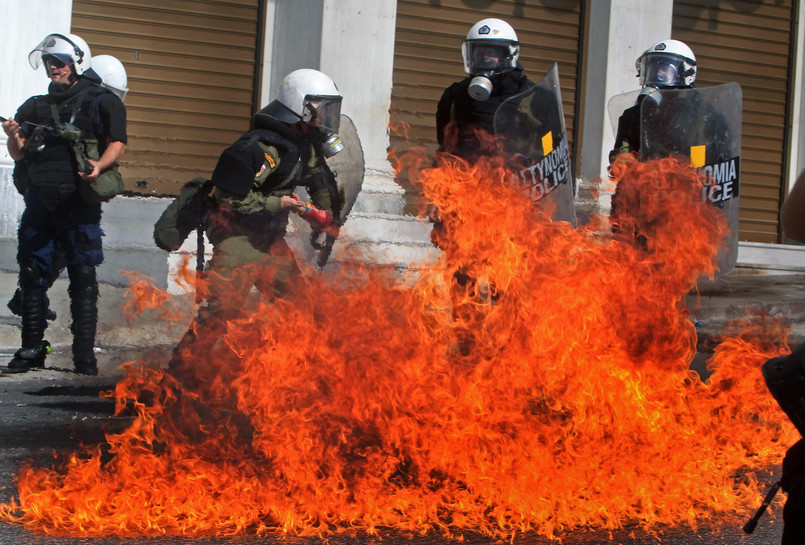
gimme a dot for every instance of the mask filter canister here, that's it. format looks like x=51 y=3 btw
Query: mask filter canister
x=332 y=145
x=480 y=88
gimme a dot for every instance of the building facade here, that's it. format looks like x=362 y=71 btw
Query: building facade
x=199 y=68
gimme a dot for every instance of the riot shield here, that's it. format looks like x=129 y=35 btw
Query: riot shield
x=705 y=125
x=534 y=144
x=348 y=167
x=617 y=105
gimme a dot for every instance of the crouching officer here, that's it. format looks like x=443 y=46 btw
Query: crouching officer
x=67 y=140
x=253 y=194
x=785 y=378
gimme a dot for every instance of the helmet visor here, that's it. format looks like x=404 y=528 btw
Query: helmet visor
x=325 y=112
x=55 y=45
x=662 y=70
x=487 y=57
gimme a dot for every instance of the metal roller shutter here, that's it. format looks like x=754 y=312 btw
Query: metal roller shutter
x=749 y=42
x=427 y=56
x=191 y=69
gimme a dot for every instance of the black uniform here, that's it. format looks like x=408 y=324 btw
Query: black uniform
x=58 y=213
x=458 y=115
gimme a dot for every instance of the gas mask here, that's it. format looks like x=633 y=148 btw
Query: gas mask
x=324 y=115
x=480 y=88
x=484 y=59
x=332 y=145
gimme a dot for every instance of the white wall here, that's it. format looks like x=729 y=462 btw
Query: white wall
x=620 y=30
x=797 y=160
x=357 y=51
x=25 y=23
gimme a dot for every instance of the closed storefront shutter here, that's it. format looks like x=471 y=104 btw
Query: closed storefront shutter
x=191 y=69
x=427 y=55
x=748 y=42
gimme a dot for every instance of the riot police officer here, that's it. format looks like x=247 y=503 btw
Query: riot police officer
x=669 y=64
x=490 y=51
x=468 y=126
x=253 y=194
x=77 y=122
x=674 y=118
x=112 y=75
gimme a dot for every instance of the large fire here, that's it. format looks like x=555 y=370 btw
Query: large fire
x=360 y=403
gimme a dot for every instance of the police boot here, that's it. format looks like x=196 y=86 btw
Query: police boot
x=32 y=309
x=15 y=306
x=84 y=309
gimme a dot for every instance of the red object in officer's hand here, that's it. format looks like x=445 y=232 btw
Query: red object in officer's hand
x=321 y=219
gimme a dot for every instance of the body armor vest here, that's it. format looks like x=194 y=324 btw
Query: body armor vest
x=51 y=162
x=235 y=173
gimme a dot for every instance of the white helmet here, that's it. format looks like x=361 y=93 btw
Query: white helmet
x=68 y=48
x=491 y=47
x=310 y=96
x=113 y=74
x=669 y=63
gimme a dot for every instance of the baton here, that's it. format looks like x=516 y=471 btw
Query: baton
x=749 y=527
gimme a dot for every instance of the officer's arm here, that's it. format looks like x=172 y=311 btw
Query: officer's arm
x=623 y=140
x=114 y=151
x=322 y=187
x=15 y=142
x=255 y=201
x=443 y=114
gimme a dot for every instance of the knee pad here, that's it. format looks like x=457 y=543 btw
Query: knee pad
x=30 y=275
x=82 y=277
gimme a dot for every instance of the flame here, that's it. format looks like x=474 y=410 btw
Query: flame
x=556 y=394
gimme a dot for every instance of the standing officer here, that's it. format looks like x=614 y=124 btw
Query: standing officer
x=674 y=118
x=48 y=135
x=669 y=64
x=498 y=111
x=491 y=51
x=253 y=194
x=113 y=76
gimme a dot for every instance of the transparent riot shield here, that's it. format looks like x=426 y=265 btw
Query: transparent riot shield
x=534 y=143
x=617 y=105
x=705 y=125
x=348 y=167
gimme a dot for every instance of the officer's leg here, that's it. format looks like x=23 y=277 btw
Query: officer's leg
x=15 y=303
x=228 y=281
x=84 y=310
x=32 y=309
x=280 y=271
x=81 y=243
x=34 y=255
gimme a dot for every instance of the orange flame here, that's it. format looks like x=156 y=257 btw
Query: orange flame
x=350 y=406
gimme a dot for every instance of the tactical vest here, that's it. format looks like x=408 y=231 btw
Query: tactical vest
x=53 y=164
x=235 y=173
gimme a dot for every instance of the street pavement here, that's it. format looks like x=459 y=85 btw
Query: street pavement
x=56 y=410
